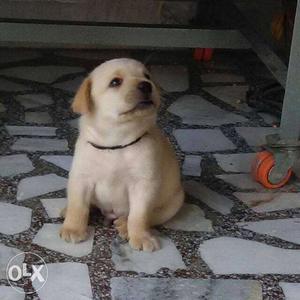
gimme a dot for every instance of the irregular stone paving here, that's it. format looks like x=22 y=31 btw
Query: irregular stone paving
x=8 y=293
x=212 y=199
x=267 y=202
x=286 y=229
x=202 y=140
x=37 y=117
x=31 y=130
x=222 y=77
x=190 y=218
x=227 y=255
x=62 y=161
x=68 y=281
x=48 y=237
x=214 y=233
x=192 y=165
x=6 y=253
x=256 y=136
x=74 y=123
x=14 y=218
x=54 y=206
x=9 y=86
x=34 y=100
x=40 y=185
x=46 y=74
x=235 y=163
x=291 y=290
x=36 y=144
x=269 y=119
x=171 y=78
x=11 y=165
x=234 y=95
x=184 y=289
x=70 y=85
x=194 y=110
x=241 y=181
x=127 y=259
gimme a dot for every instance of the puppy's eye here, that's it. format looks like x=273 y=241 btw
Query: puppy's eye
x=116 y=82
x=147 y=76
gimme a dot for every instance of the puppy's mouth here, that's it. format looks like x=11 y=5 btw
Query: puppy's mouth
x=142 y=105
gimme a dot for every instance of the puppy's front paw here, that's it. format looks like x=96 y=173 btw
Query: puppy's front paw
x=121 y=226
x=73 y=235
x=145 y=242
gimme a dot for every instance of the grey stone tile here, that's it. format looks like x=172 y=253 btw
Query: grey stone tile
x=291 y=290
x=9 y=86
x=171 y=78
x=222 y=77
x=39 y=185
x=45 y=74
x=269 y=119
x=37 y=144
x=62 y=161
x=31 y=130
x=227 y=255
x=211 y=198
x=184 y=289
x=239 y=162
x=127 y=259
x=12 y=165
x=70 y=85
x=6 y=253
x=190 y=218
x=202 y=140
x=192 y=165
x=66 y=281
x=54 y=206
x=194 y=110
x=266 y=202
x=2 y=108
x=34 y=100
x=14 y=218
x=286 y=229
x=256 y=136
x=48 y=237
x=74 y=123
x=234 y=95
x=37 y=117
x=8 y=293
x=241 y=181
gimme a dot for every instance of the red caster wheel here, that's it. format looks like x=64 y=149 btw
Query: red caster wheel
x=204 y=54
x=261 y=168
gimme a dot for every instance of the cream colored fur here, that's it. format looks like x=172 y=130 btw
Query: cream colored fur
x=138 y=186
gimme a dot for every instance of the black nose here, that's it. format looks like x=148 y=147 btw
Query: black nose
x=145 y=87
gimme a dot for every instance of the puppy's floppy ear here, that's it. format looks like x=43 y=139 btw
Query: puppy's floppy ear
x=83 y=103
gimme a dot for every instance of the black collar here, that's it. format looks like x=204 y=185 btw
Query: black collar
x=117 y=146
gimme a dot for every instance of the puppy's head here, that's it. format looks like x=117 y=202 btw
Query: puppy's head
x=118 y=90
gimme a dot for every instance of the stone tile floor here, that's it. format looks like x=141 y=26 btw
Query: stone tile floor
x=233 y=240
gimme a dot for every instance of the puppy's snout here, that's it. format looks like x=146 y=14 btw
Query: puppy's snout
x=145 y=87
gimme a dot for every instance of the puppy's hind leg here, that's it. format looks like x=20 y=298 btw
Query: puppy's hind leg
x=75 y=224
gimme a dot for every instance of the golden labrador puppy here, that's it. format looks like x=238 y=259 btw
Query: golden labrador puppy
x=123 y=164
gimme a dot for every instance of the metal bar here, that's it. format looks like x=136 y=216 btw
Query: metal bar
x=80 y=36
x=271 y=60
x=290 y=118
